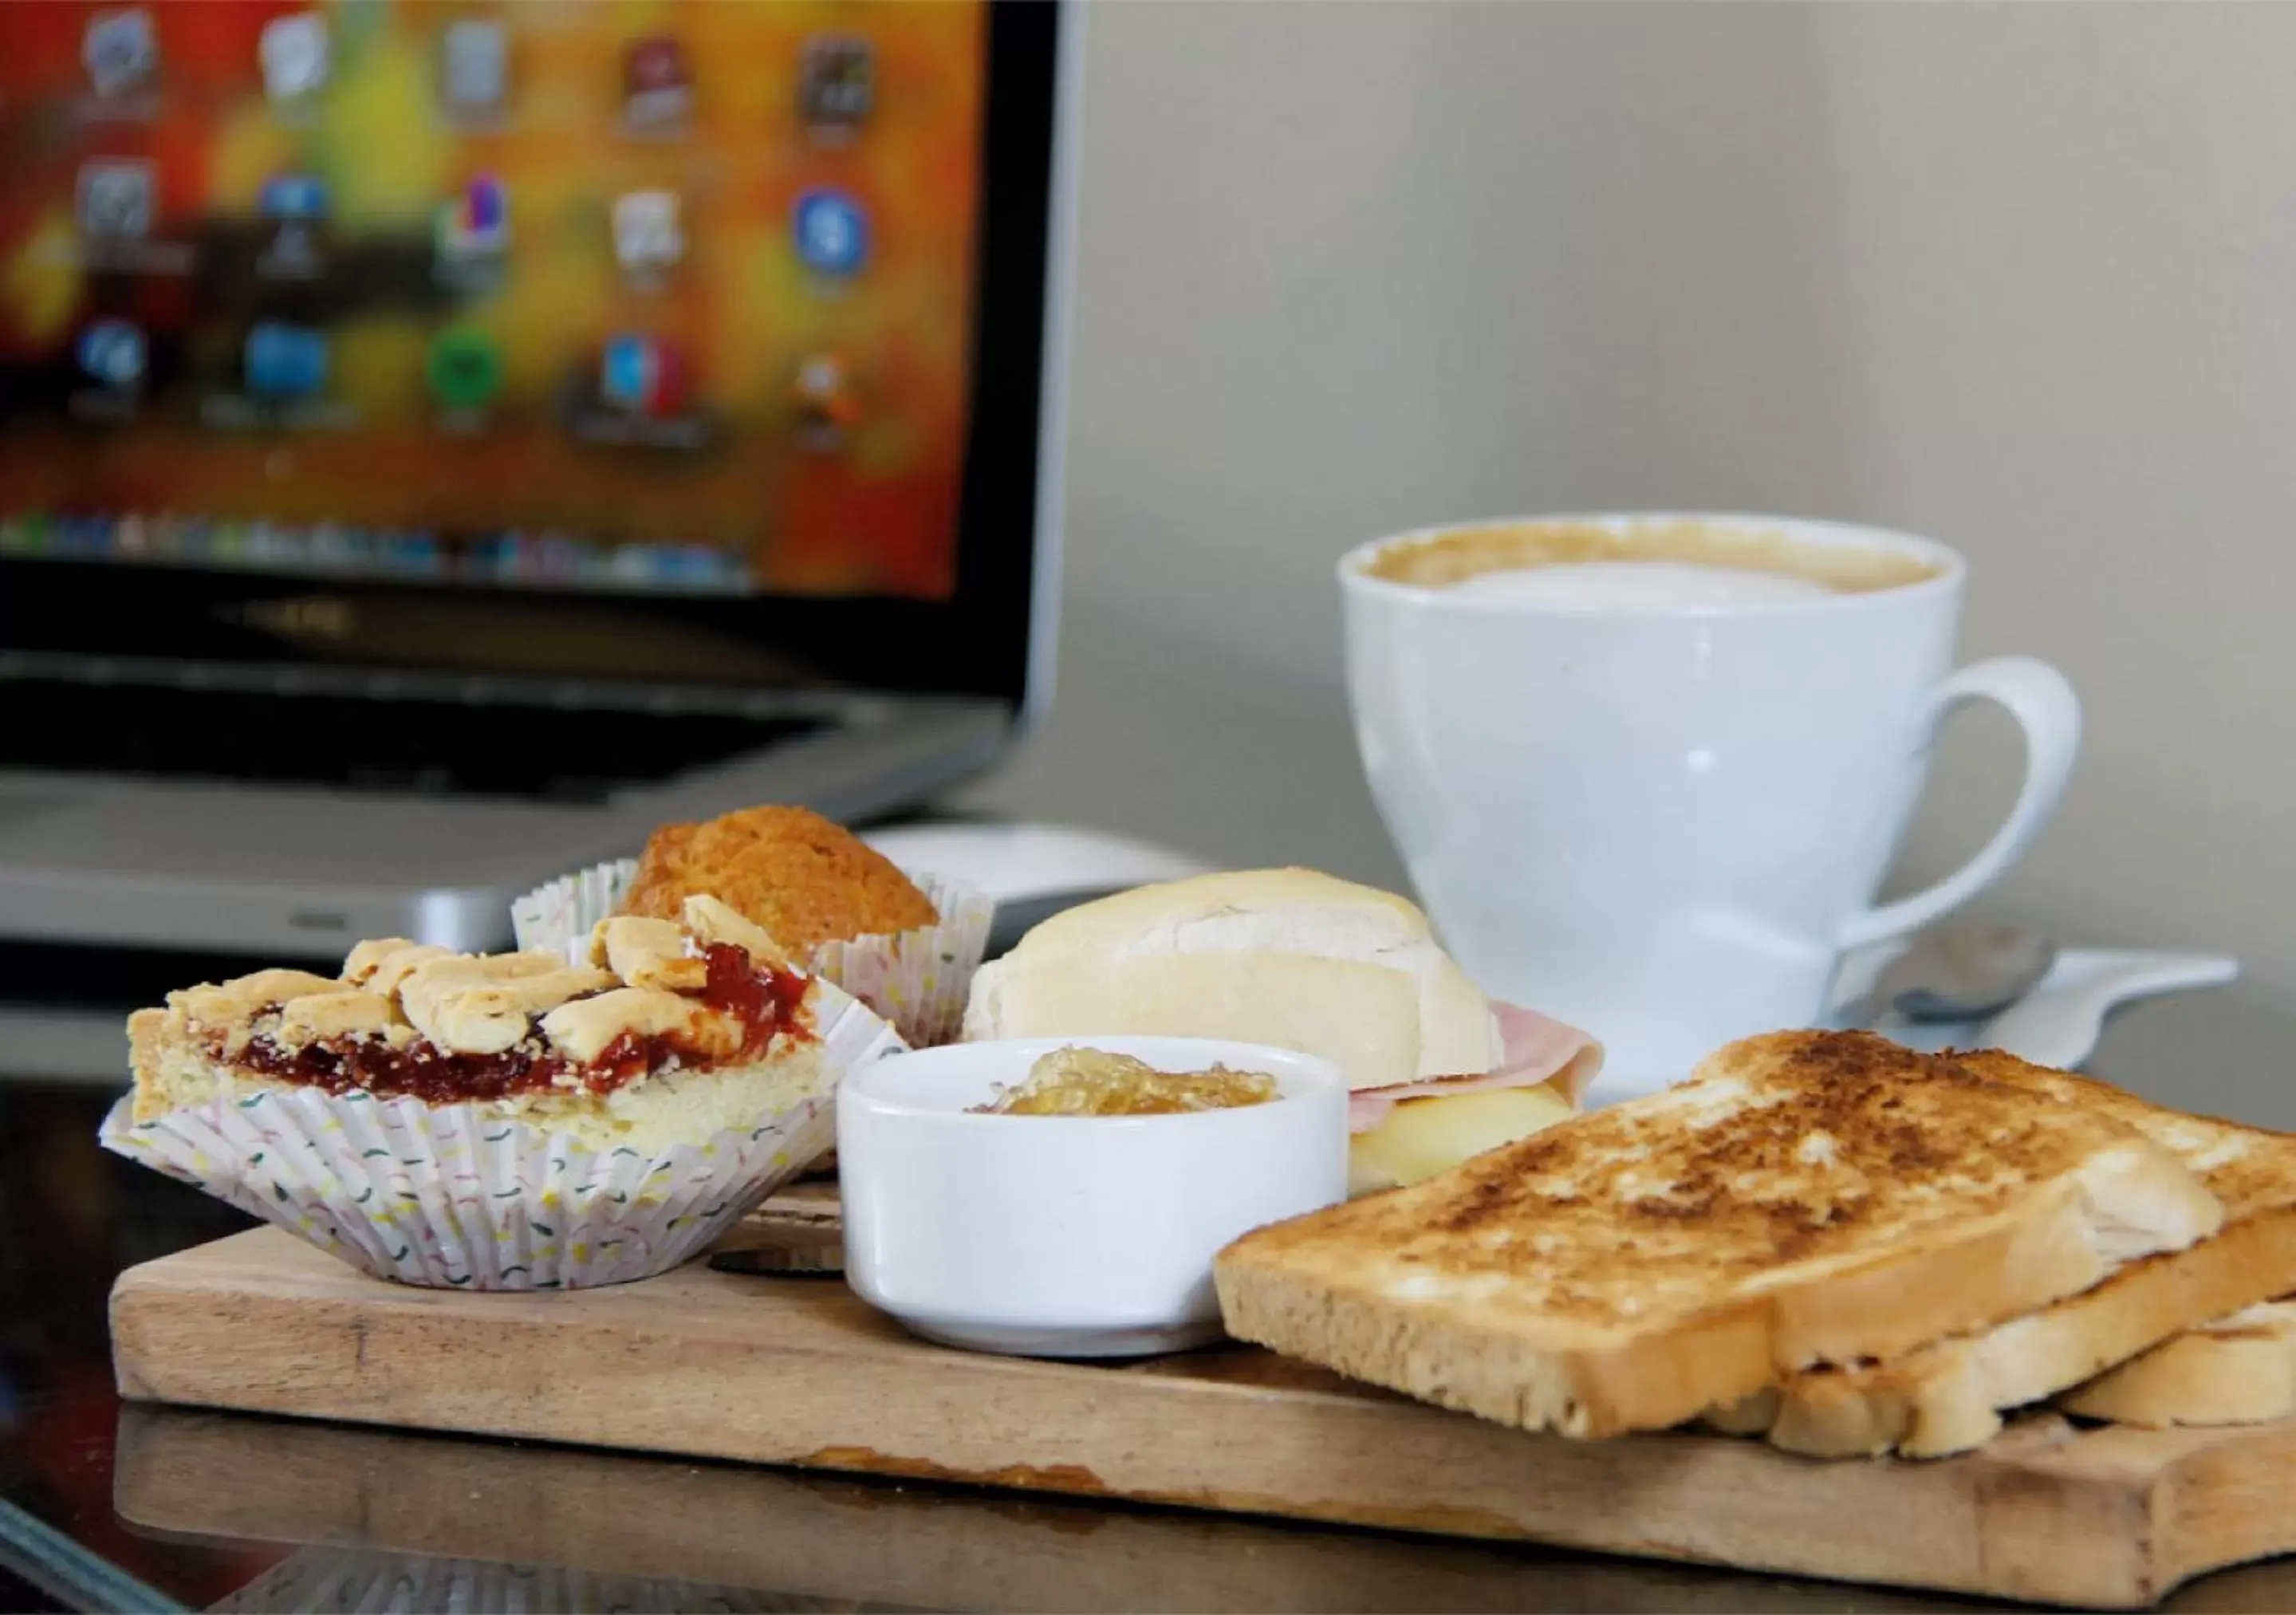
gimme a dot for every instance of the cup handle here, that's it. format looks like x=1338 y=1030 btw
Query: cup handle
x=2045 y=707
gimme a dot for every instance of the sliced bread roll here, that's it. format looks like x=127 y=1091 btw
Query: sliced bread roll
x=1283 y=956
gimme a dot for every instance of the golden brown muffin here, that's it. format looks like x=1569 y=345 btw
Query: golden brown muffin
x=805 y=880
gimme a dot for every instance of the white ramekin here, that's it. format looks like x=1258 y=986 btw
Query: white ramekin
x=1070 y=1236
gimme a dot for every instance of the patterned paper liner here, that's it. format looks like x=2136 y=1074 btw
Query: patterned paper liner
x=917 y=979
x=456 y=1197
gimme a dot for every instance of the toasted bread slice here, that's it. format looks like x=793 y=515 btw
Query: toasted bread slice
x=1948 y=1395
x=2238 y=1369
x=1808 y=1198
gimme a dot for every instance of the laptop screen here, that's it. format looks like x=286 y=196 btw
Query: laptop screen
x=585 y=299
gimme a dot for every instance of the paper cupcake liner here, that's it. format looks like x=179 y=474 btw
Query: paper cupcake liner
x=917 y=979
x=457 y=1197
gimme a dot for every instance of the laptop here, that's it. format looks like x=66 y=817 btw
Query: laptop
x=438 y=445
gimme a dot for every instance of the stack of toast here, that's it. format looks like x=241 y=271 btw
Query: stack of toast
x=1822 y=1238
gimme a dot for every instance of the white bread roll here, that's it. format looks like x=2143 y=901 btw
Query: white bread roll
x=1282 y=956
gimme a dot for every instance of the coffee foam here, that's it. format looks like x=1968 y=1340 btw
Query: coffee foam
x=1692 y=548
x=1628 y=586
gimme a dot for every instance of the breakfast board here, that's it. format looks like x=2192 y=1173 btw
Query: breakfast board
x=362 y=1511
x=794 y=1370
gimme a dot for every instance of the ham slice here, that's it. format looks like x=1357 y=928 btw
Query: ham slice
x=1533 y=1048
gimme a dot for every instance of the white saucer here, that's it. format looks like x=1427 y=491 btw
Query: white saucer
x=2056 y=1024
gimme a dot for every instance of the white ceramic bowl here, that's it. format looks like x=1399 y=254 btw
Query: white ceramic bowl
x=1083 y=1236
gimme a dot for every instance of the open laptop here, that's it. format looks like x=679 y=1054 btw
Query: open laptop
x=439 y=444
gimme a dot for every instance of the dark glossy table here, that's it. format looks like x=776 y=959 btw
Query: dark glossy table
x=113 y=1507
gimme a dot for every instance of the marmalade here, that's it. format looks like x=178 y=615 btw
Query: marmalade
x=1093 y=1082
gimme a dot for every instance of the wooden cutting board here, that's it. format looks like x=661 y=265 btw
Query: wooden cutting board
x=795 y=1370
x=365 y=1509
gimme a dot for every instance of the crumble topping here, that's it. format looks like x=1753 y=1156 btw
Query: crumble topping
x=411 y=1019
x=381 y=966
x=344 y=1015
x=470 y=1006
x=586 y=1028
x=714 y=921
x=649 y=953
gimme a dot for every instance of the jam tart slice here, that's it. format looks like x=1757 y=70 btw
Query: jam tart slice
x=653 y=999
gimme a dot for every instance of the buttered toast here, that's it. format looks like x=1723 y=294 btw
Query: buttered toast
x=1947 y=1396
x=1808 y=1197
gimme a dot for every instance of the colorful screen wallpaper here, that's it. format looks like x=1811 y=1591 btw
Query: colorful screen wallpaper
x=535 y=292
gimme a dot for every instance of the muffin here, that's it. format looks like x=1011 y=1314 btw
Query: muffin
x=905 y=944
x=805 y=880
x=519 y=1120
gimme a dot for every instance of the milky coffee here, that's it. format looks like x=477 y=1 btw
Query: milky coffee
x=1651 y=566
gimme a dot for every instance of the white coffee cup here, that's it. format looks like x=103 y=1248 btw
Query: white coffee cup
x=1664 y=818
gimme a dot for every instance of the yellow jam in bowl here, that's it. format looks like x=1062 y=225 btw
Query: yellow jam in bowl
x=1093 y=1082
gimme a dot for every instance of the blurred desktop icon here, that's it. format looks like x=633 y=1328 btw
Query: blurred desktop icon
x=648 y=235
x=194 y=538
x=827 y=405
x=564 y=557
x=656 y=83
x=474 y=65
x=113 y=354
x=474 y=228
x=117 y=197
x=832 y=233
x=296 y=196
x=81 y=537
x=642 y=375
x=466 y=369
x=498 y=556
x=837 y=81
x=120 y=50
x=410 y=551
x=276 y=543
x=285 y=361
x=294 y=208
x=328 y=544
x=296 y=55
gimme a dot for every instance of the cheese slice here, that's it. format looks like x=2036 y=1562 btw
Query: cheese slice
x=1421 y=1137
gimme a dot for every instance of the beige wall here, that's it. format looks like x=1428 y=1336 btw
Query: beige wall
x=2023 y=278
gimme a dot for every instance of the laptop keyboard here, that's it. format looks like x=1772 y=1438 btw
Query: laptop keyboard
x=431 y=748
